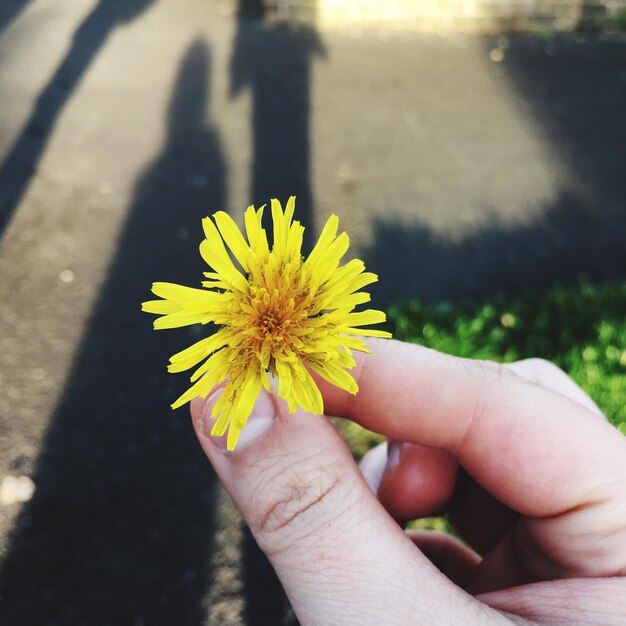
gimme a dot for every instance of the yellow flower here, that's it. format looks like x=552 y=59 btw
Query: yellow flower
x=282 y=315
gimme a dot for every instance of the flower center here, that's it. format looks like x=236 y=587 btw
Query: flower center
x=269 y=324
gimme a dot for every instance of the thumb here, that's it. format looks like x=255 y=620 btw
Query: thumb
x=340 y=557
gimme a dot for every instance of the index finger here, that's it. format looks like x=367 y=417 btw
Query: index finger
x=534 y=449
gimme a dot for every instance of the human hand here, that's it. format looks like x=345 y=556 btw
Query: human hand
x=540 y=499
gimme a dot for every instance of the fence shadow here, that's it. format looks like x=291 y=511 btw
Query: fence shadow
x=573 y=90
x=120 y=528
x=274 y=62
x=561 y=246
x=9 y=11
x=22 y=158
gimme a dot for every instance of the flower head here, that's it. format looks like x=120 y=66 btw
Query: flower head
x=277 y=313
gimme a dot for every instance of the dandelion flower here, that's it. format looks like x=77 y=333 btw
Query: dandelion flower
x=276 y=312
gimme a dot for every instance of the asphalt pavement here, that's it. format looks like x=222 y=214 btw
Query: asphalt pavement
x=460 y=166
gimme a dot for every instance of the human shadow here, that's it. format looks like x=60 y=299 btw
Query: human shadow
x=265 y=601
x=120 y=528
x=275 y=63
x=573 y=92
x=23 y=156
x=9 y=10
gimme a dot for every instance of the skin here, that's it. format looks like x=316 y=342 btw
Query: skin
x=530 y=471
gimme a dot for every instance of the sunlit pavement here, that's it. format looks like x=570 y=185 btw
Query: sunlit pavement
x=460 y=166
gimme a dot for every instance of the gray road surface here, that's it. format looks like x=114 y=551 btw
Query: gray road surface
x=121 y=125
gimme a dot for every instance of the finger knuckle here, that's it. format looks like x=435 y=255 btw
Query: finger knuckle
x=485 y=369
x=543 y=365
x=295 y=498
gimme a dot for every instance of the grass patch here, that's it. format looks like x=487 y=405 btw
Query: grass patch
x=617 y=21
x=581 y=329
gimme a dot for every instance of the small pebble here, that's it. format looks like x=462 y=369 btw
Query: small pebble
x=16 y=489
x=497 y=55
x=66 y=276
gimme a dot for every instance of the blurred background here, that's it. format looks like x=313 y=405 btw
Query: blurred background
x=474 y=150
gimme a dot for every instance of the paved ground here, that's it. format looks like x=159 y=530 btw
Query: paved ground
x=460 y=166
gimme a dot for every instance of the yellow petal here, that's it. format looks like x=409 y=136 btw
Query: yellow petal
x=221 y=424
x=283 y=373
x=177 y=320
x=180 y=293
x=214 y=254
x=257 y=236
x=289 y=210
x=214 y=365
x=326 y=238
x=329 y=260
x=280 y=228
x=346 y=341
x=235 y=405
x=191 y=356
x=200 y=389
x=345 y=274
x=305 y=391
x=224 y=266
x=295 y=237
x=354 y=344
x=367 y=332
x=264 y=380
x=351 y=300
x=233 y=436
x=364 y=318
x=160 y=307
x=233 y=237
x=336 y=375
x=367 y=278
x=247 y=397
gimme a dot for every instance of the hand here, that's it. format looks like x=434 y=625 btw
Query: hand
x=532 y=474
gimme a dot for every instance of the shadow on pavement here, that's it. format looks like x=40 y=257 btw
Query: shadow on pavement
x=275 y=63
x=565 y=244
x=9 y=10
x=574 y=90
x=121 y=526
x=23 y=156
x=265 y=600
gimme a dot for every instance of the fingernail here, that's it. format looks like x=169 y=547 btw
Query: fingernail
x=260 y=419
x=373 y=465
x=394 y=450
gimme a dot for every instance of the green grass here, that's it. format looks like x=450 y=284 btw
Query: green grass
x=581 y=329
x=617 y=21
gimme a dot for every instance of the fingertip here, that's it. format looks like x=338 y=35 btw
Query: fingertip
x=373 y=465
x=196 y=410
x=419 y=483
x=329 y=540
x=195 y=407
